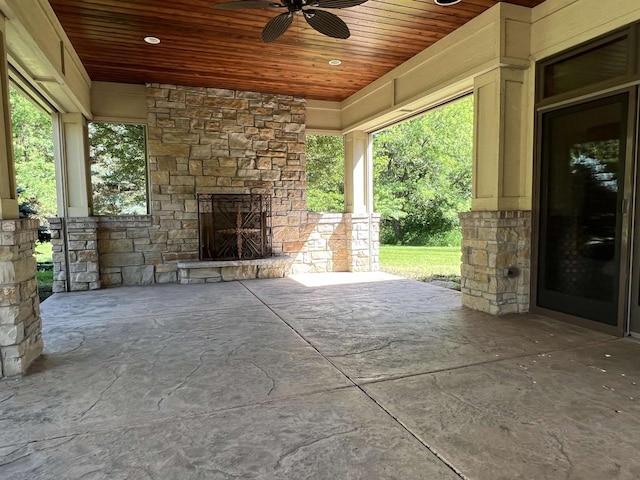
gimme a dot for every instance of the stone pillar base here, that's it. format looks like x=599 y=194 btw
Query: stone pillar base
x=20 y=323
x=82 y=244
x=496 y=253
x=363 y=242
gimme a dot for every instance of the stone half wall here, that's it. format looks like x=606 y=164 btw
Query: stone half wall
x=496 y=261
x=204 y=140
x=337 y=242
x=20 y=323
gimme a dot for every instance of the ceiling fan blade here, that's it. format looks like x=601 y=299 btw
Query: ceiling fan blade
x=276 y=27
x=335 y=3
x=327 y=23
x=240 y=4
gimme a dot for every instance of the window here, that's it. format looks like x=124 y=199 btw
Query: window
x=118 y=169
x=588 y=65
x=325 y=173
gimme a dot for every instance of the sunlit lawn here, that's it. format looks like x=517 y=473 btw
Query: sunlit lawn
x=420 y=263
x=44 y=252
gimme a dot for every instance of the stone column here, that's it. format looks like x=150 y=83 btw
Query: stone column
x=20 y=324
x=58 y=244
x=82 y=244
x=363 y=245
x=497 y=232
x=75 y=235
x=496 y=261
x=362 y=225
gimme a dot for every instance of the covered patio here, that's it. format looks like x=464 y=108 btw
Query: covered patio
x=320 y=366
x=325 y=376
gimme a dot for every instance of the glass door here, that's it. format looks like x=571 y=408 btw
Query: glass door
x=634 y=293
x=583 y=157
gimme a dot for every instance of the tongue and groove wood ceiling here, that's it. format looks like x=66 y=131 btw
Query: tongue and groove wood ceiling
x=206 y=47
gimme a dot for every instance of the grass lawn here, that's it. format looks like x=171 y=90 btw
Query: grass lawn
x=44 y=252
x=420 y=263
x=45 y=277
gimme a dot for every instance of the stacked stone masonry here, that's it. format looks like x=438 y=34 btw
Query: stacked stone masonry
x=496 y=256
x=363 y=233
x=20 y=323
x=131 y=252
x=204 y=140
x=82 y=242
x=337 y=242
x=190 y=271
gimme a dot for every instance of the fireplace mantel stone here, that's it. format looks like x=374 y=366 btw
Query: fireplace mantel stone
x=210 y=271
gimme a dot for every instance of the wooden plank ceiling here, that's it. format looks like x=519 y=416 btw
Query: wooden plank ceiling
x=201 y=46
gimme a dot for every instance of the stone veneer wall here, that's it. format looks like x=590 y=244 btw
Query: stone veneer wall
x=363 y=242
x=20 y=323
x=493 y=242
x=204 y=140
x=337 y=242
x=82 y=241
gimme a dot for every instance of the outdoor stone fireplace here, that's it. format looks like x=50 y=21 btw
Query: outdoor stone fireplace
x=234 y=226
x=205 y=142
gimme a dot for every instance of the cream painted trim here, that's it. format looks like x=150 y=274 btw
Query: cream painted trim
x=558 y=25
x=323 y=117
x=440 y=73
x=119 y=103
x=39 y=49
x=8 y=193
x=498 y=37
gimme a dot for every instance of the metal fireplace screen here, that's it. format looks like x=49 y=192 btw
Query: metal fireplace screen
x=234 y=226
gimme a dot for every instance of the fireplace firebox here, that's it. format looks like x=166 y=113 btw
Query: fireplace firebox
x=234 y=226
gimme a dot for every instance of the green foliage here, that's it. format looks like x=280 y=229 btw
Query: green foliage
x=422 y=175
x=44 y=252
x=118 y=169
x=34 y=160
x=25 y=208
x=325 y=173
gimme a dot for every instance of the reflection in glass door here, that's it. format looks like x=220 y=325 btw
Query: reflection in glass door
x=583 y=154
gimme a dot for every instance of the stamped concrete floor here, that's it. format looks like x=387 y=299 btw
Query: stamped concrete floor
x=316 y=377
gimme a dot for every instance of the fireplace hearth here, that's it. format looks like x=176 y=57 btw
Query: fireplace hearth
x=234 y=226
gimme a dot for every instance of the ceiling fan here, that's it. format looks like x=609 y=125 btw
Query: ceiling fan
x=320 y=20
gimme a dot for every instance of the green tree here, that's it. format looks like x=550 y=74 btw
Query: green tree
x=422 y=174
x=34 y=160
x=118 y=169
x=325 y=173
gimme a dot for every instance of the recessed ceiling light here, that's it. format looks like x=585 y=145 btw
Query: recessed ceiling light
x=152 y=40
x=335 y=63
x=445 y=3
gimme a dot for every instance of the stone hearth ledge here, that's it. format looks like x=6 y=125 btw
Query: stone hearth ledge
x=210 y=271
